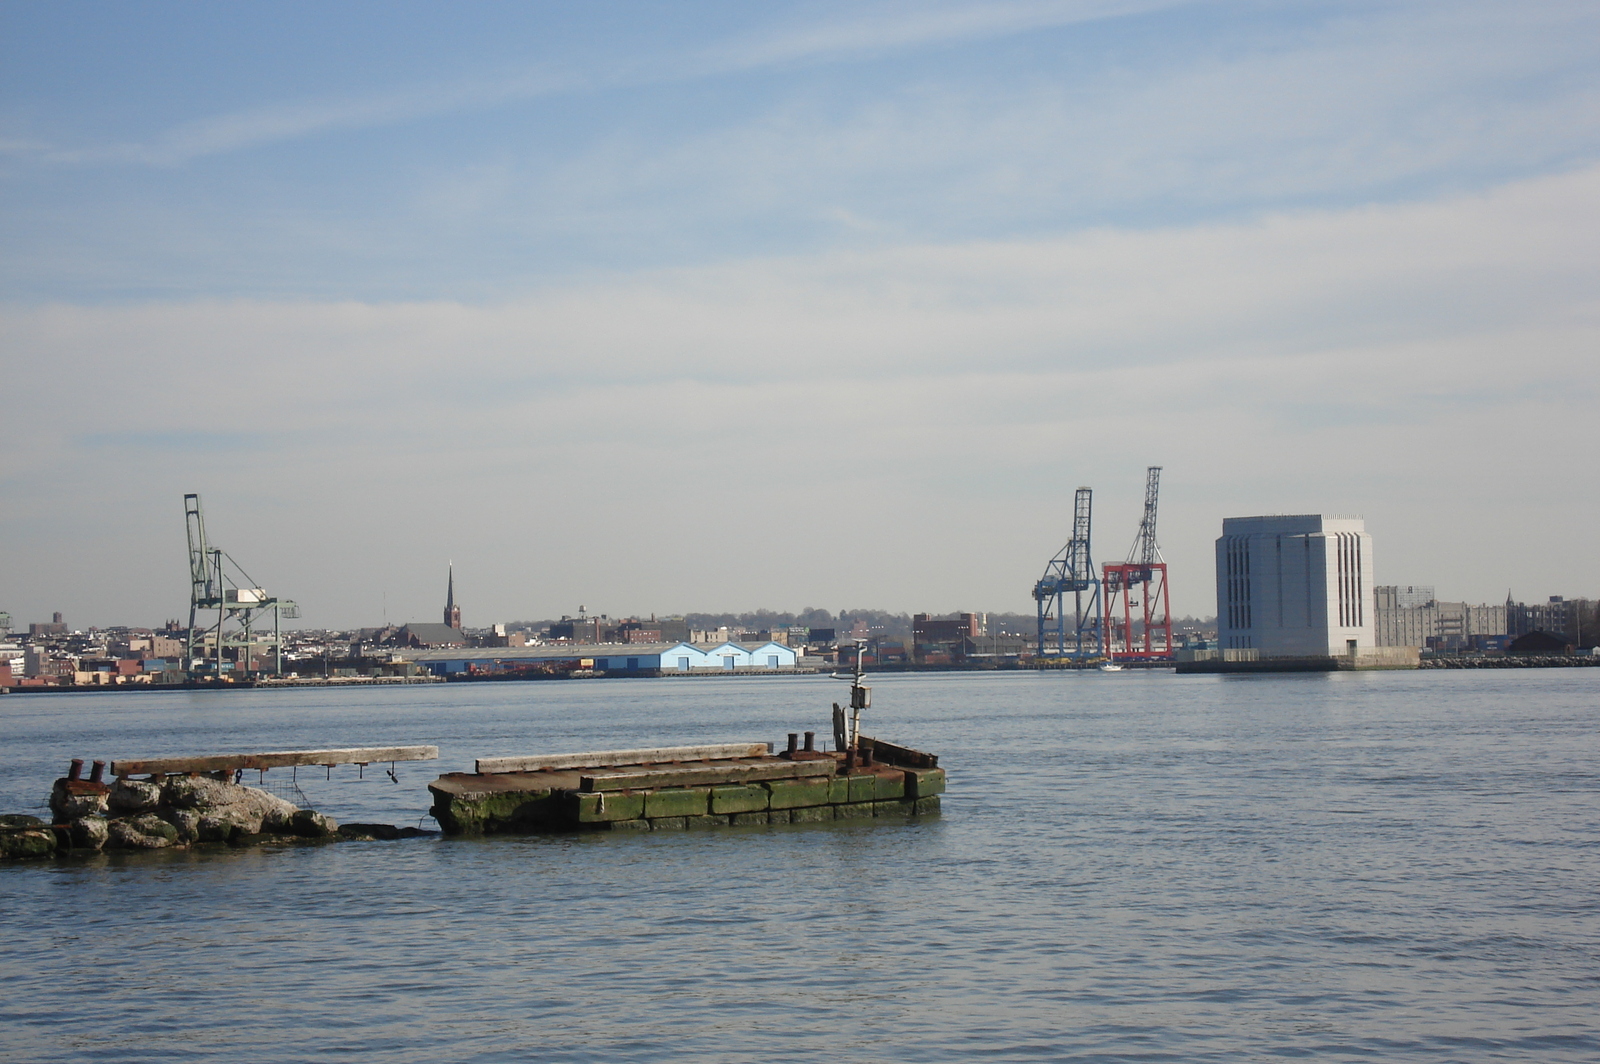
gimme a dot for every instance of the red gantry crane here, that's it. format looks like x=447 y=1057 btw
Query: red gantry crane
x=1136 y=591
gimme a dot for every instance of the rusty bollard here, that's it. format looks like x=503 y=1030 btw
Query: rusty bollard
x=811 y=741
x=98 y=773
x=75 y=770
x=794 y=743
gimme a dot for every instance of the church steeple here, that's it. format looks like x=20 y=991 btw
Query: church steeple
x=452 y=612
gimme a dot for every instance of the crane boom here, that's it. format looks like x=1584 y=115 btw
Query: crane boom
x=1145 y=551
x=199 y=551
x=1139 y=584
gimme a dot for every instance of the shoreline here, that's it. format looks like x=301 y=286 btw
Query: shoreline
x=1426 y=664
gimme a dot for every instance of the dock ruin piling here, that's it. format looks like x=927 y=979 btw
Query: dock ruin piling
x=680 y=788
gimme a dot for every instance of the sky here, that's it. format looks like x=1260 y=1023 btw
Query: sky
x=654 y=308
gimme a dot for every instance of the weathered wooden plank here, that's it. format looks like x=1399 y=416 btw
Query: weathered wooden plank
x=361 y=755
x=606 y=758
x=903 y=756
x=703 y=775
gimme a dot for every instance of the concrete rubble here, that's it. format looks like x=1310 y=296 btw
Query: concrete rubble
x=159 y=813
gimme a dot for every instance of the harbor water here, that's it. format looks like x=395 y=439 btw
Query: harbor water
x=1131 y=866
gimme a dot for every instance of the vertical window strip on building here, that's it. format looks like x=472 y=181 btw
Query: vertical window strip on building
x=1237 y=558
x=1348 y=549
x=1359 y=596
x=1338 y=561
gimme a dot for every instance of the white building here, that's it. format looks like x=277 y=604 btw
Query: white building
x=1294 y=586
x=620 y=658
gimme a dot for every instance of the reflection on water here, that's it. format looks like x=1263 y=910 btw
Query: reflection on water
x=1130 y=866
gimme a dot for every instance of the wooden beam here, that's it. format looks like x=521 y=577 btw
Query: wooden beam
x=361 y=755
x=705 y=775
x=904 y=756
x=606 y=758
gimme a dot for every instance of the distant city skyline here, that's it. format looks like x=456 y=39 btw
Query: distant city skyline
x=725 y=307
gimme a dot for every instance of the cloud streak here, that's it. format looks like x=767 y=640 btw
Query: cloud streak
x=899 y=27
x=1396 y=105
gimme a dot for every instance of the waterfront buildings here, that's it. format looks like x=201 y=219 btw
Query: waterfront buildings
x=1410 y=616
x=1294 y=586
x=641 y=658
x=1573 y=620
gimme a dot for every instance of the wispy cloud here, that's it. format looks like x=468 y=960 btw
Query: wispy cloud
x=916 y=25
x=294 y=120
x=887 y=28
x=1393 y=103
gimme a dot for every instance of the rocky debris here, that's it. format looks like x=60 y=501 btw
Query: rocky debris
x=71 y=799
x=1513 y=661
x=155 y=814
x=133 y=796
x=143 y=832
x=185 y=821
x=23 y=837
x=21 y=822
x=171 y=811
x=252 y=810
x=310 y=824
x=89 y=833
x=380 y=833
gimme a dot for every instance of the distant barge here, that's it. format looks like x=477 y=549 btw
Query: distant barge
x=688 y=788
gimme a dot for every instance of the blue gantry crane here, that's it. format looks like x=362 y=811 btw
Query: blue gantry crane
x=1071 y=572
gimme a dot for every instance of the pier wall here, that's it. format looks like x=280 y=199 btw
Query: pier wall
x=522 y=806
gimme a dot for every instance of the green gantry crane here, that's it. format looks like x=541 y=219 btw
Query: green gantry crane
x=218 y=601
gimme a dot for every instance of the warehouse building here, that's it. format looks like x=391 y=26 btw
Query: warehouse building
x=1409 y=616
x=626 y=658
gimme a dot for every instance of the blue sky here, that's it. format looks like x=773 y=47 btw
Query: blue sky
x=582 y=295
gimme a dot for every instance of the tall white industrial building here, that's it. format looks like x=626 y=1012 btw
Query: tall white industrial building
x=1294 y=586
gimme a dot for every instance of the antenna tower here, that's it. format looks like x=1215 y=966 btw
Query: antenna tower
x=1071 y=571
x=1136 y=591
x=217 y=600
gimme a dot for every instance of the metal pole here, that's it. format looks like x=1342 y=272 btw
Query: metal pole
x=856 y=700
x=222 y=604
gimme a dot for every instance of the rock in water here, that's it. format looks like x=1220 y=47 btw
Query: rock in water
x=217 y=829
x=246 y=808
x=21 y=820
x=310 y=824
x=69 y=801
x=133 y=796
x=22 y=844
x=90 y=832
x=144 y=832
x=186 y=821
